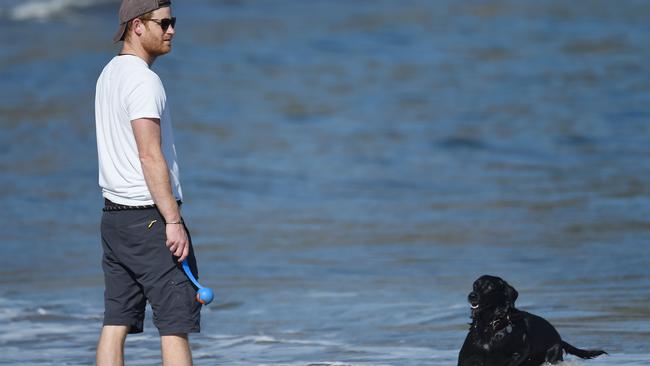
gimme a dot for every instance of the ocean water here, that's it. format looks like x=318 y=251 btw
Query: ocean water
x=349 y=169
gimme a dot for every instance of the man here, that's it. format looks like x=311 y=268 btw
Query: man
x=144 y=238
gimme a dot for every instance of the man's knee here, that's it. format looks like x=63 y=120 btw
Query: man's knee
x=176 y=350
x=174 y=339
x=114 y=332
x=110 y=349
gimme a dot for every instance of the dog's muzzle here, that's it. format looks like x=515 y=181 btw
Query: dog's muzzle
x=473 y=300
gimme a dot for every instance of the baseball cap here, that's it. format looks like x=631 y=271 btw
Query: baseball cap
x=131 y=9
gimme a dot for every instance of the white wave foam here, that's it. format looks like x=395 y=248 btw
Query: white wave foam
x=10 y=309
x=228 y=341
x=45 y=9
x=26 y=331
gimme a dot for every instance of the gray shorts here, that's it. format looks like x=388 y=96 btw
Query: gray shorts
x=138 y=267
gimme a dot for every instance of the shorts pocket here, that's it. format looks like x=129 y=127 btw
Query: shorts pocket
x=144 y=226
x=179 y=312
x=184 y=294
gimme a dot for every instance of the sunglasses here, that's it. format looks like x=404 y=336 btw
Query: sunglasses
x=164 y=23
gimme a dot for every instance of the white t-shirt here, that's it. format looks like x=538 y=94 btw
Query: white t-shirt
x=128 y=90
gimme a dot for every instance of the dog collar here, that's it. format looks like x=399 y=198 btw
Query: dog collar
x=496 y=322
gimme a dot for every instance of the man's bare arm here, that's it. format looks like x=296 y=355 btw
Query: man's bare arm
x=156 y=174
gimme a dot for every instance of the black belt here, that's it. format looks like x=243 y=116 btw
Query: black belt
x=112 y=206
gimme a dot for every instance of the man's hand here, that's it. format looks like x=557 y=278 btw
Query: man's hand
x=177 y=241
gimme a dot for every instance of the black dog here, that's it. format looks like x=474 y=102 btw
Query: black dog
x=502 y=335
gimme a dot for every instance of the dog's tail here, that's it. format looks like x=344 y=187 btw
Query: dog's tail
x=582 y=353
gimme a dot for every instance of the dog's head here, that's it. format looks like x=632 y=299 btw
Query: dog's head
x=491 y=294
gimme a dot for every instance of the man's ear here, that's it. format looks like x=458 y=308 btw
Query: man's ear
x=137 y=26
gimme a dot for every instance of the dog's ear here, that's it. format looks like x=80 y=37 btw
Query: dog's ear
x=511 y=293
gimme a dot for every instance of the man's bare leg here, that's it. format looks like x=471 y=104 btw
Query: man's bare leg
x=110 y=349
x=176 y=350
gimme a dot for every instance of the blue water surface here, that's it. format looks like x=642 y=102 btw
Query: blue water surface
x=349 y=168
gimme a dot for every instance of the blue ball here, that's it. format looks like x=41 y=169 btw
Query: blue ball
x=205 y=295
